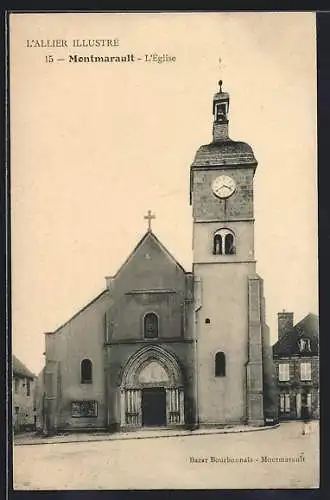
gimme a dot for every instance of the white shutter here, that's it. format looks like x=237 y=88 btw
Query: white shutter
x=283 y=372
x=305 y=371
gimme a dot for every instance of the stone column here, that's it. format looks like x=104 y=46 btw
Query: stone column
x=168 y=405
x=139 y=406
x=122 y=408
x=181 y=405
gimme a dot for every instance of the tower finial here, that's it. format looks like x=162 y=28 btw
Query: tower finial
x=220 y=81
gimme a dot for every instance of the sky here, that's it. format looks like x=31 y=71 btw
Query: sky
x=94 y=146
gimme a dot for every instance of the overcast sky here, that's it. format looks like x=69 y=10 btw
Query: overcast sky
x=94 y=146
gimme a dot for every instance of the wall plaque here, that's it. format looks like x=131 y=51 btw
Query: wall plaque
x=84 y=408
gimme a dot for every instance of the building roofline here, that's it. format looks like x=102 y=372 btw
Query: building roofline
x=294 y=329
x=140 y=242
x=137 y=246
x=20 y=370
x=78 y=312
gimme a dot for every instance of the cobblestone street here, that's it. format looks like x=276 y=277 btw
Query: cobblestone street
x=184 y=462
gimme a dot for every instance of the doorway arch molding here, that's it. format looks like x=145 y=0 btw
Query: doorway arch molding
x=139 y=360
x=133 y=390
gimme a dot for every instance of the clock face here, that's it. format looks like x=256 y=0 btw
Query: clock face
x=223 y=186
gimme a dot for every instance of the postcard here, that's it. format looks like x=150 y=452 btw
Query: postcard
x=163 y=171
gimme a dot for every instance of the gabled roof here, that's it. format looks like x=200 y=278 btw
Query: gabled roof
x=145 y=237
x=148 y=234
x=20 y=369
x=79 y=312
x=307 y=328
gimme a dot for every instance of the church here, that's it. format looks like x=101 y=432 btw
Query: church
x=163 y=347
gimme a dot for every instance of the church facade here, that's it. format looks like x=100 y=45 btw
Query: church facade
x=163 y=347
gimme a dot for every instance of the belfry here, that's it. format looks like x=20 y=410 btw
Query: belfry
x=233 y=347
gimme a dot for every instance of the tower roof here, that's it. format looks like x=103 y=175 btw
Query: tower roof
x=226 y=152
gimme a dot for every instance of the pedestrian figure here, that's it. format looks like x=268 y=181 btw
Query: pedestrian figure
x=306 y=420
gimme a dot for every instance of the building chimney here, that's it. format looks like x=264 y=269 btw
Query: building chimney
x=284 y=323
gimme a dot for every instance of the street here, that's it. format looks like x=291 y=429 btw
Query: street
x=220 y=461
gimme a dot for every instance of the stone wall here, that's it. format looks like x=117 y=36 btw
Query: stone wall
x=208 y=206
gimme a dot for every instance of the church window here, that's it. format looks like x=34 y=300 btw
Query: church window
x=207 y=321
x=151 y=326
x=217 y=244
x=283 y=372
x=16 y=385
x=86 y=371
x=224 y=242
x=220 y=364
x=28 y=387
x=229 y=244
x=305 y=371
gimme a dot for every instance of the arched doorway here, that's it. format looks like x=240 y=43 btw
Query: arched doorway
x=152 y=392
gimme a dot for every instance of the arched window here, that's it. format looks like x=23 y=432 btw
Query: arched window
x=151 y=326
x=220 y=364
x=217 y=244
x=224 y=242
x=229 y=244
x=86 y=371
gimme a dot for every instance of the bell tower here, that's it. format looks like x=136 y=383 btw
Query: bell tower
x=220 y=113
x=229 y=313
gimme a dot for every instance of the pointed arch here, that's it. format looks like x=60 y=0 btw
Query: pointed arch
x=143 y=357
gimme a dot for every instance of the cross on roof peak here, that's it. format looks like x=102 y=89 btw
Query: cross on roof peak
x=149 y=217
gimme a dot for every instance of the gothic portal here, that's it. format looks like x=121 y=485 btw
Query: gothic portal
x=152 y=389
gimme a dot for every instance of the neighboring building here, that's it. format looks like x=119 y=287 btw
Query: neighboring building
x=23 y=397
x=164 y=347
x=296 y=356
